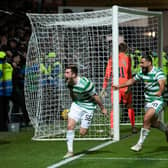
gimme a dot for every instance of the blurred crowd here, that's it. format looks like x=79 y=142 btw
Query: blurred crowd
x=14 y=37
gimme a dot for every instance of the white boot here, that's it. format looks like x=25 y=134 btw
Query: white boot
x=68 y=154
x=136 y=147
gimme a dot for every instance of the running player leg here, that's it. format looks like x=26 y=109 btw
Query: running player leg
x=73 y=117
x=150 y=112
x=86 y=121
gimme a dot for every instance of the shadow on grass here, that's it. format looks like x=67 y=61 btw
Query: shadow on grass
x=3 y=142
x=160 y=149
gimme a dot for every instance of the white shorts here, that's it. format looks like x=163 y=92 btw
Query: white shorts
x=157 y=105
x=79 y=114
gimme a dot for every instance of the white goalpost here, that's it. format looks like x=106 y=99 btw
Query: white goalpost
x=87 y=39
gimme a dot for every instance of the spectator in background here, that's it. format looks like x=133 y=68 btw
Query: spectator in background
x=14 y=37
x=155 y=60
x=3 y=114
x=18 y=89
x=12 y=45
x=51 y=70
x=3 y=40
x=8 y=86
x=135 y=60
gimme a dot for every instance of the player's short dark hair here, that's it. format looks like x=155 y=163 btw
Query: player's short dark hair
x=147 y=57
x=73 y=68
x=122 y=47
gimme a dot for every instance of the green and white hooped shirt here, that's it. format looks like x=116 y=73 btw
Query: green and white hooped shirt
x=151 y=83
x=82 y=92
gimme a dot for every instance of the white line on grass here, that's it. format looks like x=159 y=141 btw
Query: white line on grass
x=65 y=161
x=125 y=158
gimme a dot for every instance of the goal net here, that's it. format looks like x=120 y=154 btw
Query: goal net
x=87 y=39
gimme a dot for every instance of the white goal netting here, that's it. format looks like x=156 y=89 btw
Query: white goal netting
x=84 y=39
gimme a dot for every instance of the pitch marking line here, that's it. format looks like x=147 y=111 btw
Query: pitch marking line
x=63 y=162
x=125 y=158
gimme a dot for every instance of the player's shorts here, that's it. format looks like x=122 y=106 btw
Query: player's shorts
x=81 y=115
x=125 y=96
x=157 y=105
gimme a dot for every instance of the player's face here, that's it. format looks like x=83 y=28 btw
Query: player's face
x=145 y=65
x=69 y=76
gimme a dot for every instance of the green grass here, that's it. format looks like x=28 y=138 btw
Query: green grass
x=166 y=114
x=17 y=150
x=154 y=147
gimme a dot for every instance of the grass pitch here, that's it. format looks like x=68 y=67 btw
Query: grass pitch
x=17 y=150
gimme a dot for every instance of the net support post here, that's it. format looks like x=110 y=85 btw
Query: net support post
x=115 y=52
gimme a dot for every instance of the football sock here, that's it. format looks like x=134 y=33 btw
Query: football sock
x=70 y=137
x=143 y=134
x=131 y=116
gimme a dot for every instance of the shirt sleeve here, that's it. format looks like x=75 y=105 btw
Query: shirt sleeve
x=160 y=75
x=90 y=88
x=137 y=76
x=108 y=73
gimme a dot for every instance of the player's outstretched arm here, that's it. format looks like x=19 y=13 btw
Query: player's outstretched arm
x=99 y=102
x=126 y=84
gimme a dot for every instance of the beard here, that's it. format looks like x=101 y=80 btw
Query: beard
x=69 y=82
x=145 y=70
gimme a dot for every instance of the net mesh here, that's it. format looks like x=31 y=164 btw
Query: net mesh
x=86 y=40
